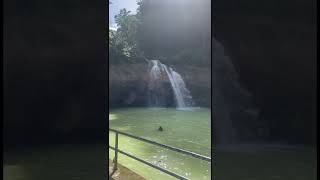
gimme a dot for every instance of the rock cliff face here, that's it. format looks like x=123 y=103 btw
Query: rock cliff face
x=128 y=85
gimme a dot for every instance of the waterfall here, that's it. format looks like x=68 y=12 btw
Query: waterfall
x=154 y=92
x=158 y=72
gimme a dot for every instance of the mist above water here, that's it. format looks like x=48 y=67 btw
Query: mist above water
x=158 y=73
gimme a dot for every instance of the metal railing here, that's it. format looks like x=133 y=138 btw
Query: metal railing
x=117 y=150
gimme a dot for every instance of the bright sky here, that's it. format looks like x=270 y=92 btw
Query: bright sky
x=114 y=8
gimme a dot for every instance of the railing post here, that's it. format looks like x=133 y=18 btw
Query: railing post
x=116 y=153
x=117 y=150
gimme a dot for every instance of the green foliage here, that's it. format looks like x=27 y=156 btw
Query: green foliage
x=122 y=42
x=115 y=48
x=162 y=29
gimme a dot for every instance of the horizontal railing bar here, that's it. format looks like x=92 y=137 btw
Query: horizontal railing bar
x=151 y=165
x=166 y=146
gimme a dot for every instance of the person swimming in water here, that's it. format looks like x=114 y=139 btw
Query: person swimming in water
x=160 y=128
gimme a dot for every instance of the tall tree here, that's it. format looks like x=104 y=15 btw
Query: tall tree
x=127 y=32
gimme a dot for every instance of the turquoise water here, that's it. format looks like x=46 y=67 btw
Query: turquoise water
x=189 y=130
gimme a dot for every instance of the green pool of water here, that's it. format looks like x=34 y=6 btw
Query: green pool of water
x=189 y=130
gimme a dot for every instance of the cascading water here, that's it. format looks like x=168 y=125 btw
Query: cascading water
x=154 y=89
x=158 y=73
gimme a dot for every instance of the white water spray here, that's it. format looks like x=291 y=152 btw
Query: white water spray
x=182 y=95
